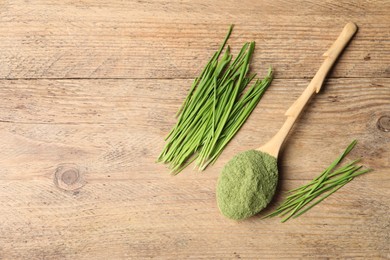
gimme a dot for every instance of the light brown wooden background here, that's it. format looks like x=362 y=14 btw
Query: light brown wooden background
x=90 y=88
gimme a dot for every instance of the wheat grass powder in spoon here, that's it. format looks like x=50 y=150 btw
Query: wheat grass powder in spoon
x=247 y=184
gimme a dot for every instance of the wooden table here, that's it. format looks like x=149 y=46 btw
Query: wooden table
x=90 y=88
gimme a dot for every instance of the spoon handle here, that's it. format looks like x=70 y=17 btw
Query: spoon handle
x=331 y=55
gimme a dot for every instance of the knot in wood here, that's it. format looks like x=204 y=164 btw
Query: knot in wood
x=383 y=123
x=68 y=177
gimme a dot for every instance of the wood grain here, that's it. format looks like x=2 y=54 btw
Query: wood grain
x=165 y=39
x=89 y=89
x=129 y=207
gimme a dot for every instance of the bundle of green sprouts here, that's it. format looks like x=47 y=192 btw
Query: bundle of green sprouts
x=301 y=199
x=216 y=107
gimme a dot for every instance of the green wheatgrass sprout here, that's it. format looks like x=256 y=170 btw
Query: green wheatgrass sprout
x=215 y=108
x=301 y=199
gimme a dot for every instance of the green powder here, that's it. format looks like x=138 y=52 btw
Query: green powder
x=247 y=184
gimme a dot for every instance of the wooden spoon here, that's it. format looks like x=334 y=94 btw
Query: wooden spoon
x=274 y=145
x=248 y=181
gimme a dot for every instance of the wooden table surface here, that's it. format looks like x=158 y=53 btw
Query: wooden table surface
x=90 y=88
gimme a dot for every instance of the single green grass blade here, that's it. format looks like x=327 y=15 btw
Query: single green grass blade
x=225 y=41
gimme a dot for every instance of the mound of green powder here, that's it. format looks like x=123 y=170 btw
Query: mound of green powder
x=247 y=184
